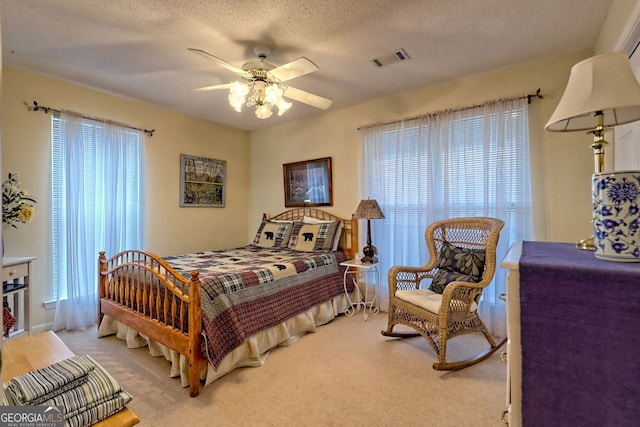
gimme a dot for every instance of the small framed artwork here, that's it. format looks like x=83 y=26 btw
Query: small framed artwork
x=202 y=182
x=308 y=183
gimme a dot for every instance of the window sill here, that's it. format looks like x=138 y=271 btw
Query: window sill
x=49 y=305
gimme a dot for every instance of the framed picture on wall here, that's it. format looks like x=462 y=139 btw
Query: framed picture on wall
x=202 y=182
x=308 y=183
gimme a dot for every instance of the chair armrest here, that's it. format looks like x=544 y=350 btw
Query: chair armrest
x=459 y=297
x=405 y=277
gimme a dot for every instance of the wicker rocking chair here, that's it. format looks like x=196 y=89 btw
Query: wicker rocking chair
x=462 y=263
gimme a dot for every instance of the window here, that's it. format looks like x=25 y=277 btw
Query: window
x=471 y=162
x=97 y=205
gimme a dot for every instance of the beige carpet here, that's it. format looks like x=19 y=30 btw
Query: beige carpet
x=344 y=374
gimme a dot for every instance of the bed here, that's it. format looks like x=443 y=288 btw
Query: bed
x=211 y=312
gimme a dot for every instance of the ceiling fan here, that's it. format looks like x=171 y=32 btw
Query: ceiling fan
x=262 y=83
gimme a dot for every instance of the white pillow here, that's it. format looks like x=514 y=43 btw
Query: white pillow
x=336 y=240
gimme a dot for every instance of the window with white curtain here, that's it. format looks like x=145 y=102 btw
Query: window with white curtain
x=97 y=205
x=469 y=162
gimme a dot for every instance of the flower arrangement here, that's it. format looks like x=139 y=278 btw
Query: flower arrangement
x=17 y=205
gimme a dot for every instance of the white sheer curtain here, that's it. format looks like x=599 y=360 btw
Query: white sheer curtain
x=97 y=204
x=469 y=162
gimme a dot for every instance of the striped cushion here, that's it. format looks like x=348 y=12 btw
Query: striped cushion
x=40 y=385
x=100 y=386
x=99 y=411
x=97 y=397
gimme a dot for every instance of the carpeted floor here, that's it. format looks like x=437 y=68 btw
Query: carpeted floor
x=344 y=374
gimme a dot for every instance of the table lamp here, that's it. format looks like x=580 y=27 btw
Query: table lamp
x=602 y=91
x=369 y=209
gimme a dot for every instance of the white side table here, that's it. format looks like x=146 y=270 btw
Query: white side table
x=359 y=273
x=16 y=272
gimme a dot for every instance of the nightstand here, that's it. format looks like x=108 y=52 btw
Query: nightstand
x=15 y=292
x=359 y=272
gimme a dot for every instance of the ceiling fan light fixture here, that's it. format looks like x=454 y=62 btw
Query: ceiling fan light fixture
x=237 y=95
x=273 y=94
x=260 y=94
x=263 y=111
x=283 y=106
x=262 y=86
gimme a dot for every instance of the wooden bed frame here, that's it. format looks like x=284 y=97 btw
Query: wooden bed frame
x=175 y=299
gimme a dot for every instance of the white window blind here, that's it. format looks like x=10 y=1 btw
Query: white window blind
x=471 y=162
x=97 y=200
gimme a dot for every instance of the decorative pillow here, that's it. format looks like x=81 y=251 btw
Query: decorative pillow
x=457 y=263
x=336 y=240
x=443 y=277
x=273 y=235
x=313 y=237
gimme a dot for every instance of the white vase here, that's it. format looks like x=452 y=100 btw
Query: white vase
x=616 y=216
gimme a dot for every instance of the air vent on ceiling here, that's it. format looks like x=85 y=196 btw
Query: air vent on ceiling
x=397 y=56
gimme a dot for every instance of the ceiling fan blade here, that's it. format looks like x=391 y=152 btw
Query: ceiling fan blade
x=214 y=87
x=293 y=69
x=224 y=64
x=308 y=98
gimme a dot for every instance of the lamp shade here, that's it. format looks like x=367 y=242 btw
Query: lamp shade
x=605 y=83
x=369 y=209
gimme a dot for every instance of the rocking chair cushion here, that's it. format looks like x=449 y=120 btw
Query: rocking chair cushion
x=429 y=300
x=457 y=263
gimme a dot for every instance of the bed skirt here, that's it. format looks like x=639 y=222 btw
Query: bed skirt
x=252 y=353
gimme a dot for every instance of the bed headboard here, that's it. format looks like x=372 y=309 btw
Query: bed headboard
x=348 y=237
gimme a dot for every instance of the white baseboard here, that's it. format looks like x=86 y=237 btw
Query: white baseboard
x=41 y=328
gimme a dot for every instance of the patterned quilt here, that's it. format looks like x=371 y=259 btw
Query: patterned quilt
x=247 y=290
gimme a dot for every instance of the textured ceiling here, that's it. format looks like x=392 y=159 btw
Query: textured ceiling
x=138 y=49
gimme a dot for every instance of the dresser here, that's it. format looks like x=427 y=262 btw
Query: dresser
x=16 y=273
x=512 y=415
x=573 y=326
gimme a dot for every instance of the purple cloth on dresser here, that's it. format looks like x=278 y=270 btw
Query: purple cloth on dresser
x=580 y=335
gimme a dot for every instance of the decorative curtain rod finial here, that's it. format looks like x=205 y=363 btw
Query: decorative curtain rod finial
x=42 y=108
x=535 y=95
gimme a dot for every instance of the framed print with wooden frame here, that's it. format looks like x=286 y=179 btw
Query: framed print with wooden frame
x=202 y=182
x=308 y=183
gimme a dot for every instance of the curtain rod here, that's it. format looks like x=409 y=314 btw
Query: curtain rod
x=453 y=110
x=46 y=110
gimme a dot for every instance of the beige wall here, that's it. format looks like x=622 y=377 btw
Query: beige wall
x=170 y=229
x=618 y=26
x=562 y=163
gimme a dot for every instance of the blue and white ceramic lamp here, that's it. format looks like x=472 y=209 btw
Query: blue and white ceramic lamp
x=616 y=216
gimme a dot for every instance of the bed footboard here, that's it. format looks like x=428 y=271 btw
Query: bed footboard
x=142 y=291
